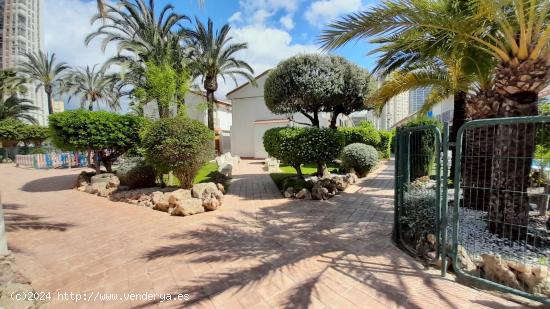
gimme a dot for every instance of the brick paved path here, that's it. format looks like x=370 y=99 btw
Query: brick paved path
x=257 y=251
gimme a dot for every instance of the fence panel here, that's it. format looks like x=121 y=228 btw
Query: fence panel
x=418 y=190
x=500 y=230
x=52 y=160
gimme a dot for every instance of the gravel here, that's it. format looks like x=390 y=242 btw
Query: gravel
x=474 y=236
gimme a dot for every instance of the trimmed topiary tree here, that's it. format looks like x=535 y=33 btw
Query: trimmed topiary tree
x=297 y=146
x=359 y=157
x=11 y=131
x=181 y=145
x=108 y=134
x=310 y=84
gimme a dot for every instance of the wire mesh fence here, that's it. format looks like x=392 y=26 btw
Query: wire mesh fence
x=500 y=205
x=418 y=190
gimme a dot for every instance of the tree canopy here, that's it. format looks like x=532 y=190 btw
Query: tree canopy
x=109 y=134
x=309 y=84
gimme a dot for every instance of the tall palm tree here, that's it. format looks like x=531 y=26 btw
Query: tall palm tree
x=142 y=36
x=213 y=57
x=517 y=34
x=102 y=11
x=43 y=68
x=14 y=107
x=137 y=28
x=93 y=87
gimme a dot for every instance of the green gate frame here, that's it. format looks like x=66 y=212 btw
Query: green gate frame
x=402 y=174
x=458 y=167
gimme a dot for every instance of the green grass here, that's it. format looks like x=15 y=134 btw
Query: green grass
x=288 y=171
x=205 y=174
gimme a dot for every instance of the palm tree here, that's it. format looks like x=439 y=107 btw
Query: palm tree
x=142 y=36
x=14 y=107
x=93 y=87
x=11 y=84
x=213 y=56
x=43 y=69
x=517 y=34
x=102 y=12
x=137 y=28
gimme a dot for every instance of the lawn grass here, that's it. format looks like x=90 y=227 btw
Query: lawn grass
x=288 y=171
x=205 y=174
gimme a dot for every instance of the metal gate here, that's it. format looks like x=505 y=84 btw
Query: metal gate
x=496 y=212
x=502 y=175
x=418 y=190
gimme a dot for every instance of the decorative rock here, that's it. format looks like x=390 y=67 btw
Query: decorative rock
x=160 y=201
x=340 y=182
x=351 y=178
x=330 y=184
x=495 y=267
x=105 y=177
x=303 y=194
x=221 y=188
x=319 y=192
x=465 y=262
x=207 y=192
x=226 y=169
x=198 y=190
x=187 y=207
x=211 y=203
x=178 y=195
x=289 y=192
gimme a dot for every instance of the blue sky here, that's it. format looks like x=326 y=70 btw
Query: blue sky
x=274 y=29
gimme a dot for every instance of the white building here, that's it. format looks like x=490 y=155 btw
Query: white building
x=21 y=32
x=251 y=118
x=196 y=108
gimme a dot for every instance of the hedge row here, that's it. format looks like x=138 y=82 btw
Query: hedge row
x=367 y=134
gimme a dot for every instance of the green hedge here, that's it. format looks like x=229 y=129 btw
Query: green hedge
x=422 y=147
x=369 y=136
x=384 y=147
x=297 y=146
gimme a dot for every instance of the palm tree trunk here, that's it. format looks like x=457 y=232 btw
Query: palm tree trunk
x=477 y=150
x=513 y=152
x=50 y=101
x=210 y=99
x=459 y=117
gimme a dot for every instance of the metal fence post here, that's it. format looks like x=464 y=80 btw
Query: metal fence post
x=444 y=185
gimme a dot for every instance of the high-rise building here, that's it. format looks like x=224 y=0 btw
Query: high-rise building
x=417 y=98
x=20 y=33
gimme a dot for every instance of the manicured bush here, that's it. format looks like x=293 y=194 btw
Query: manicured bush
x=384 y=147
x=109 y=134
x=135 y=172
x=360 y=135
x=422 y=147
x=359 y=157
x=181 y=145
x=35 y=134
x=11 y=130
x=297 y=146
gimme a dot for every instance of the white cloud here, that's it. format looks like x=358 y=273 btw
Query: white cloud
x=266 y=48
x=237 y=17
x=287 y=22
x=67 y=23
x=321 y=12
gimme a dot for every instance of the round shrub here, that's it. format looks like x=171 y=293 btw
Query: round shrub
x=359 y=157
x=135 y=172
x=181 y=145
x=297 y=146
